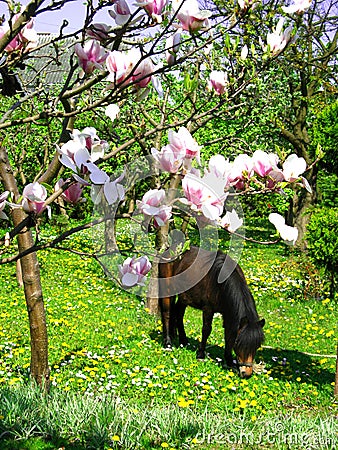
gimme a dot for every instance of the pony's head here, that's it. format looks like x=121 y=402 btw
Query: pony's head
x=249 y=338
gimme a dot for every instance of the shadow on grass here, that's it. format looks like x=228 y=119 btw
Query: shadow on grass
x=39 y=444
x=284 y=364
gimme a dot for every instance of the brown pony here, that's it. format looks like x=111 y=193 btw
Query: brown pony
x=213 y=283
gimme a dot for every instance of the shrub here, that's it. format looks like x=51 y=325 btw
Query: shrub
x=322 y=241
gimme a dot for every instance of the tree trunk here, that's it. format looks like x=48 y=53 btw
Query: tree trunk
x=31 y=283
x=336 y=378
x=161 y=244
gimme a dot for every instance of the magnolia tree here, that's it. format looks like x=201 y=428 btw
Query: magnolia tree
x=119 y=61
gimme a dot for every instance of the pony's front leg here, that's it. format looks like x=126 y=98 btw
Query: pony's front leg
x=230 y=339
x=180 y=308
x=167 y=305
x=206 y=330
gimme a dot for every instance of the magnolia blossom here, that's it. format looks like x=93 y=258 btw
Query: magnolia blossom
x=112 y=111
x=3 y=198
x=26 y=39
x=85 y=148
x=134 y=270
x=170 y=158
x=112 y=190
x=153 y=7
x=172 y=47
x=129 y=68
x=293 y=167
x=241 y=170
x=152 y=208
x=299 y=7
x=218 y=81
x=91 y=56
x=231 y=221
x=34 y=196
x=99 y=31
x=142 y=69
x=182 y=140
x=201 y=197
x=120 y=12
x=73 y=194
x=244 y=52
x=119 y=66
x=287 y=233
x=217 y=175
x=263 y=163
x=245 y=4
x=80 y=154
x=278 y=39
x=191 y=18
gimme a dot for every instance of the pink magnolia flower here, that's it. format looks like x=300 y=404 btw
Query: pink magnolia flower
x=73 y=194
x=144 y=68
x=191 y=18
x=80 y=152
x=99 y=31
x=263 y=163
x=287 y=233
x=241 y=170
x=112 y=190
x=245 y=4
x=170 y=158
x=153 y=7
x=172 y=47
x=119 y=66
x=299 y=7
x=134 y=270
x=217 y=175
x=218 y=81
x=278 y=39
x=26 y=39
x=202 y=198
x=93 y=143
x=152 y=208
x=112 y=111
x=3 y=198
x=120 y=12
x=293 y=167
x=183 y=141
x=91 y=56
x=34 y=196
x=231 y=221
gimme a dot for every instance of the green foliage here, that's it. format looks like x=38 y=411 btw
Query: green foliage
x=255 y=206
x=322 y=237
x=325 y=134
x=327 y=187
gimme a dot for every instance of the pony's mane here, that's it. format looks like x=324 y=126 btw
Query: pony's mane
x=234 y=285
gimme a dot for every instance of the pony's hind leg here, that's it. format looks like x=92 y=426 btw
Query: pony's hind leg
x=206 y=330
x=180 y=308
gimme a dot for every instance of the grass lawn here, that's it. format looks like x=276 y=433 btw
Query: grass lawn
x=113 y=385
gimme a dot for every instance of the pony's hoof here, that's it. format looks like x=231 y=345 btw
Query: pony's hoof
x=167 y=345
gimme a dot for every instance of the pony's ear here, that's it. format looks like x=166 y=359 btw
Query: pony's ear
x=262 y=323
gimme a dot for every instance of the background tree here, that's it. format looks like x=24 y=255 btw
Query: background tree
x=211 y=57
